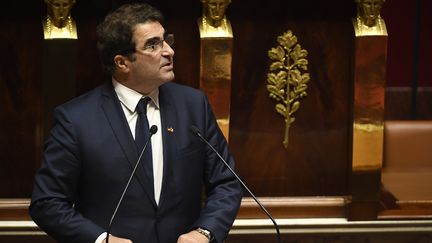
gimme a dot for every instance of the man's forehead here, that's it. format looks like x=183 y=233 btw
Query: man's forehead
x=149 y=30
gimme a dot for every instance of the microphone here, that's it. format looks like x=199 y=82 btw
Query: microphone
x=197 y=132
x=152 y=131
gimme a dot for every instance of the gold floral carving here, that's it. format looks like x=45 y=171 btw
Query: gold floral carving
x=287 y=78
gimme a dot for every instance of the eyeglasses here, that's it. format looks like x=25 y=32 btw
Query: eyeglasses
x=156 y=44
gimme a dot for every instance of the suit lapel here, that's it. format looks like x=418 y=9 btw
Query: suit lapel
x=114 y=113
x=169 y=127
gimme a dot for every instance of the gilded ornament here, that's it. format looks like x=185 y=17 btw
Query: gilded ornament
x=368 y=20
x=214 y=22
x=287 y=79
x=59 y=23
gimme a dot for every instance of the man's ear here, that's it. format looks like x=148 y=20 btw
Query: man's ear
x=120 y=62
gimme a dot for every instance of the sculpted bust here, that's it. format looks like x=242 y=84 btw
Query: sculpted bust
x=58 y=22
x=368 y=20
x=214 y=23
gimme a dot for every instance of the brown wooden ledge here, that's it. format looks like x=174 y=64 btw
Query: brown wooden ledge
x=293 y=207
x=14 y=209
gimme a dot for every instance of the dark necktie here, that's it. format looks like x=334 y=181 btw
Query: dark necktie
x=141 y=136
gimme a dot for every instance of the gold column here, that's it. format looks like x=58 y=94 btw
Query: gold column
x=368 y=110
x=215 y=59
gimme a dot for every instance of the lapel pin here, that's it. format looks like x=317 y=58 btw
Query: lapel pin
x=170 y=129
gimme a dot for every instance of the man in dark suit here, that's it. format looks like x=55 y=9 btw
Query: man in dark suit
x=92 y=149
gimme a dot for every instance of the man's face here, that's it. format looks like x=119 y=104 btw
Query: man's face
x=216 y=8
x=370 y=10
x=152 y=67
x=60 y=9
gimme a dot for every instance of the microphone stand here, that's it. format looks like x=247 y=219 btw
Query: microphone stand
x=198 y=133
x=153 y=130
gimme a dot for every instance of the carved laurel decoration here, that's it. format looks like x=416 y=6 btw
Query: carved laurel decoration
x=287 y=78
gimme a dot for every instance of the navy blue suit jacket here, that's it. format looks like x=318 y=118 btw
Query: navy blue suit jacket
x=90 y=155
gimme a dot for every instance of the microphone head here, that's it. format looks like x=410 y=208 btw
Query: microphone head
x=153 y=129
x=195 y=130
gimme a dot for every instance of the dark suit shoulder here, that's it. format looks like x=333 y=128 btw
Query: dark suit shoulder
x=89 y=100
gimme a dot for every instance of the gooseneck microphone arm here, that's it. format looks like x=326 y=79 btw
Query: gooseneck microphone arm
x=197 y=132
x=152 y=131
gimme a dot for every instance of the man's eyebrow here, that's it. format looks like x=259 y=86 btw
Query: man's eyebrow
x=153 y=39
x=156 y=38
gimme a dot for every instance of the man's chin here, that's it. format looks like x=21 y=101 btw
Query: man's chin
x=168 y=78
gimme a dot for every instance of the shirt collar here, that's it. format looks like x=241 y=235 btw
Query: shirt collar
x=130 y=98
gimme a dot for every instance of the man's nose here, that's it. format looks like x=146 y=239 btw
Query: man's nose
x=167 y=49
